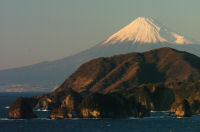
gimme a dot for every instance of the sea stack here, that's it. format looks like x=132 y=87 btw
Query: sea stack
x=21 y=109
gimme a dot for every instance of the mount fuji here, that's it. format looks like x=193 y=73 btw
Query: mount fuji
x=143 y=34
x=146 y=30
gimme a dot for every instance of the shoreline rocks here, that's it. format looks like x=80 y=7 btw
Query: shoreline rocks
x=183 y=109
x=67 y=105
x=136 y=103
x=60 y=113
x=21 y=109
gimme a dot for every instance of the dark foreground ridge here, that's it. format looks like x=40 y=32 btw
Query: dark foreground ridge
x=128 y=85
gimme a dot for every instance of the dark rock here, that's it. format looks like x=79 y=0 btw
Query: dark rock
x=195 y=107
x=92 y=106
x=143 y=97
x=60 y=113
x=183 y=110
x=143 y=111
x=67 y=103
x=97 y=105
x=21 y=109
x=71 y=100
x=137 y=109
x=163 y=98
x=44 y=103
x=112 y=105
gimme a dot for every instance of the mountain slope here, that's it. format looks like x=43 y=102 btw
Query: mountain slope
x=141 y=35
x=163 y=65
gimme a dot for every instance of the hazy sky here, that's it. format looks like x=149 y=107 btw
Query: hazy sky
x=32 y=31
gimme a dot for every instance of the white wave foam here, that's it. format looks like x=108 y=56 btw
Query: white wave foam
x=44 y=110
x=5 y=119
x=7 y=107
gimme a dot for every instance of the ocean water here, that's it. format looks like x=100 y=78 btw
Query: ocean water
x=158 y=122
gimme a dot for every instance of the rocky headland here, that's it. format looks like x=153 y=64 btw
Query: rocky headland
x=128 y=85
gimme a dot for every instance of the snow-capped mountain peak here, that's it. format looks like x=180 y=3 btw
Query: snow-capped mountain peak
x=146 y=30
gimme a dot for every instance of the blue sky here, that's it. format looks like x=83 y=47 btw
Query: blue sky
x=32 y=31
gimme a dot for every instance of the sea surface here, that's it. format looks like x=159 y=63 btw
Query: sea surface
x=158 y=122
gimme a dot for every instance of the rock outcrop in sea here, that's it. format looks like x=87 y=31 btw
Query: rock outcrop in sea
x=21 y=109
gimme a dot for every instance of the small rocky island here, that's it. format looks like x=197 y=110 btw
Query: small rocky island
x=129 y=85
x=21 y=109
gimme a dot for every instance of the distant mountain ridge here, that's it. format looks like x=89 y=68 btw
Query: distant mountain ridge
x=48 y=75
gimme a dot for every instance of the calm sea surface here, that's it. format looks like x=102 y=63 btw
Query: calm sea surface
x=158 y=122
